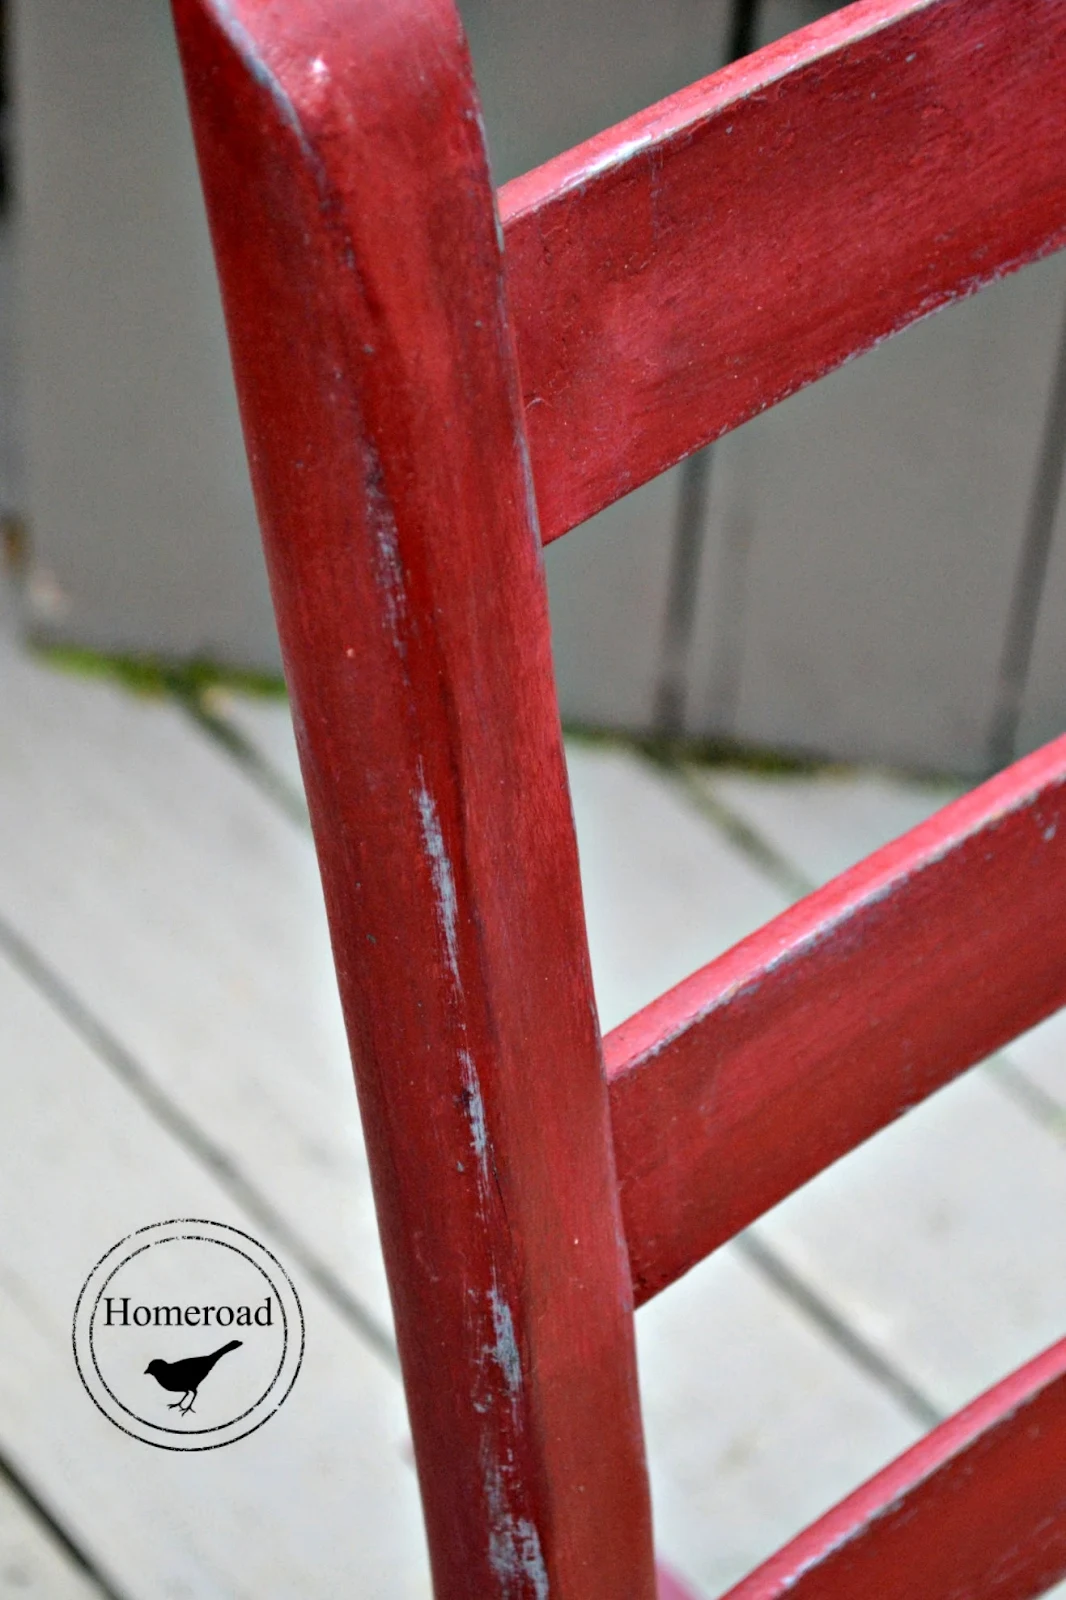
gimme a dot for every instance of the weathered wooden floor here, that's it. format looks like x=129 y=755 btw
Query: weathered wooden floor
x=170 y=1038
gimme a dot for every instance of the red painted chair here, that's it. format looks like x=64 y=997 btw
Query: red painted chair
x=426 y=397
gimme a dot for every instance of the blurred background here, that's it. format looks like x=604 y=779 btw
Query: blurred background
x=868 y=571
x=771 y=661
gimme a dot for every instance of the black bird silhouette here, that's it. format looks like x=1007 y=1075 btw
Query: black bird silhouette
x=185 y=1377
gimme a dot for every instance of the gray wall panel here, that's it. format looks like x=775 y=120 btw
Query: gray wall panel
x=864 y=536
x=555 y=73
x=861 y=540
x=1043 y=709
x=138 y=496
x=607 y=582
x=140 y=511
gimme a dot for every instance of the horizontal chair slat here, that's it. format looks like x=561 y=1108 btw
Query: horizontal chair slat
x=688 y=268
x=759 y=1070
x=977 y=1509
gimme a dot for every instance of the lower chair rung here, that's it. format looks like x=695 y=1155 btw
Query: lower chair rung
x=776 y=1059
x=975 y=1511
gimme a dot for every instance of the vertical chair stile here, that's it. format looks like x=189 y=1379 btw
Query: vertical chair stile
x=355 y=227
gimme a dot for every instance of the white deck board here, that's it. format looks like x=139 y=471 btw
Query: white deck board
x=182 y=907
x=322 y=1499
x=725 y=1468
x=318 y=1500
x=33 y=1565
x=184 y=910
x=267 y=726
x=664 y=892
x=177 y=902
x=941 y=1240
x=826 y=821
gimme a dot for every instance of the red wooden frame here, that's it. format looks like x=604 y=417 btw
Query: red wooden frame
x=976 y=1508
x=395 y=349
x=363 y=281
x=685 y=270
x=755 y=1073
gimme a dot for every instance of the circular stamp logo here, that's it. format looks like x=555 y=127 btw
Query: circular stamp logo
x=188 y=1334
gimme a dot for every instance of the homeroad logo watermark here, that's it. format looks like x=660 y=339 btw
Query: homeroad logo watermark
x=188 y=1334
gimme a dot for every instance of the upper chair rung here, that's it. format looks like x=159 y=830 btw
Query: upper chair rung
x=697 y=263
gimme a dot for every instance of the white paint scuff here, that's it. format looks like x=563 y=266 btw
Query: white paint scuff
x=475 y=1107
x=388 y=565
x=514 y=1546
x=443 y=877
x=504 y=1350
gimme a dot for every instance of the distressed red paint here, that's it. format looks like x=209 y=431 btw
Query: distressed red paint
x=685 y=270
x=975 y=1509
x=355 y=231
x=755 y=1073
x=667 y=281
